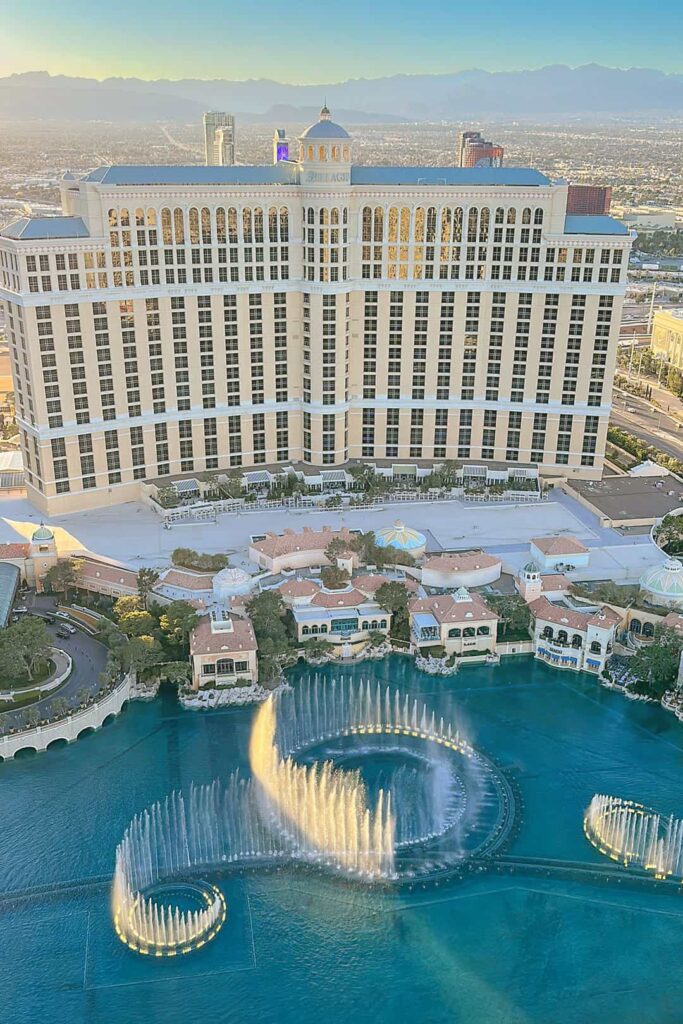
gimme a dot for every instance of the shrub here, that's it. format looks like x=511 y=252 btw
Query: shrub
x=187 y=558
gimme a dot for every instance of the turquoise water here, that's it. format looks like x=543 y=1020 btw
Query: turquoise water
x=299 y=947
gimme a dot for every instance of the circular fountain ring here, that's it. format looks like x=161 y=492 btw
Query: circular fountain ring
x=161 y=934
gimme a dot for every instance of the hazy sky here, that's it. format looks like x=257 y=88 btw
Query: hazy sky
x=311 y=41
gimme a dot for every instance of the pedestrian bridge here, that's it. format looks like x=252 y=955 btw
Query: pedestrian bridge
x=70 y=728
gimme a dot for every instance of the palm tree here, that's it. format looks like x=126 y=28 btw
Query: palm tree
x=147 y=580
x=83 y=696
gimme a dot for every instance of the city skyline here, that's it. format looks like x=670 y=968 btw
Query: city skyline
x=440 y=38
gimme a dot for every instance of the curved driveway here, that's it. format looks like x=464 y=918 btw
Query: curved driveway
x=89 y=658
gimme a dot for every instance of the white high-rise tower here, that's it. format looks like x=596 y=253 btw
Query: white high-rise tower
x=219 y=139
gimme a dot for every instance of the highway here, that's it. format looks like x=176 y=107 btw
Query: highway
x=653 y=426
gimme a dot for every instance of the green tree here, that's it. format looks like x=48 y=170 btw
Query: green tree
x=655 y=667
x=12 y=665
x=177 y=621
x=266 y=611
x=393 y=597
x=143 y=653
x=514 y=617
x=30 y=641
x=63 y=576
x=137 y=623
x=59 y=707
x=187 y=558
x=32 y=717
x=334 y=577
x=318 y=648
x=83 y=695
x=337 y=548
x=147 y=580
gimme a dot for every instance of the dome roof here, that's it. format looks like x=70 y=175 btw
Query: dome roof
x=530 y=567
x=231 y=581
x=665 y=581
x=325 y=128
x=43 y=533
x=400 y=536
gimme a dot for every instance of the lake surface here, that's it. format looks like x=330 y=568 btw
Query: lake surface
x=299 y=947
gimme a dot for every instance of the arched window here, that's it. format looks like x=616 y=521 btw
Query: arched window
x=301 y=151
x=512 y=215
x=151 y=218
x=124 y=218
x=309 y=153
x=246 y=225
x=547 y=633
x=596 y=647
x=305 y=630
x=179 y=226
x=648 y=629
x=468 y=631
x=166 y=230
x=445 y=225
x=258 y=224
x=562 y=636
x=367 y=224
x=221 y=233
x=484 y=218
x=335 y=153
x=334 y=215
x=382 y=623
x=635 y=626
x=322 y=153
x=365 y=625
x=538 y=215
x=324 y=216
x=314 y=629
x=232 y=226
x=431 y=225
x=419 y=225
x=225 y=667
x=379 y=224
x=284 y=224
x=323 y=628
x=526 y=215
x=139 y=218
x=194 y=226
x=346 y=152
x=483 y=631
x=113 y=219
x=392 y=227
x=206 y=226
x=272 y=224
x=455 y=633
x=457 y=224
x=311 y=215
x=405 y=225
x=577 y=640
x=472 y=224
x=500 y=215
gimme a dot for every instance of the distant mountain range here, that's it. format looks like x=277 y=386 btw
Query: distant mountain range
x=553 y=91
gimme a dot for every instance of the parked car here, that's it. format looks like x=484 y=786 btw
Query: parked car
x=49 y=619
x=63 y=633
x=69 y=628
x=21 y=610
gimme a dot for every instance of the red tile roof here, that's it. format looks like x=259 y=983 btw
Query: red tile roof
x=93 y=571
x=203 y=640
x=559 y=545
x=186 y=580
x=461 y=561
x=338 y=599
x=445 y=608
x=289 y=541
x=16 y=550
x=299 y=588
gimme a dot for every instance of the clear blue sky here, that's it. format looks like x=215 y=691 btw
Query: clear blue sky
x=314 y=41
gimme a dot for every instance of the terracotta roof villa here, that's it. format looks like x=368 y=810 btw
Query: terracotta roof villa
x=279 y=552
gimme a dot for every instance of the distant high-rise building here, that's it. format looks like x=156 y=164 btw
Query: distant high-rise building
x=589 y=200
x=219 y=139
x=280 y=145
x=475 y=151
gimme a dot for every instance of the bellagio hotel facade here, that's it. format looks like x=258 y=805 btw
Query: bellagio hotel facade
x=178 y=320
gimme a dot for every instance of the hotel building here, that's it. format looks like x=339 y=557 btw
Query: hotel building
x=177 y=320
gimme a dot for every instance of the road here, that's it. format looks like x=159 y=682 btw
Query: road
x=89 y=658
x=653 y=426
x=194 y=150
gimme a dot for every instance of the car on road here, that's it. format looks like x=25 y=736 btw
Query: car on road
x=49 y=619
x=631 y=408
x=63 y=633
x=69 y=628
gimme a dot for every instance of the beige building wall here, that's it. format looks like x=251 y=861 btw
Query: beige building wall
x=667 y=336
x=203 y=328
